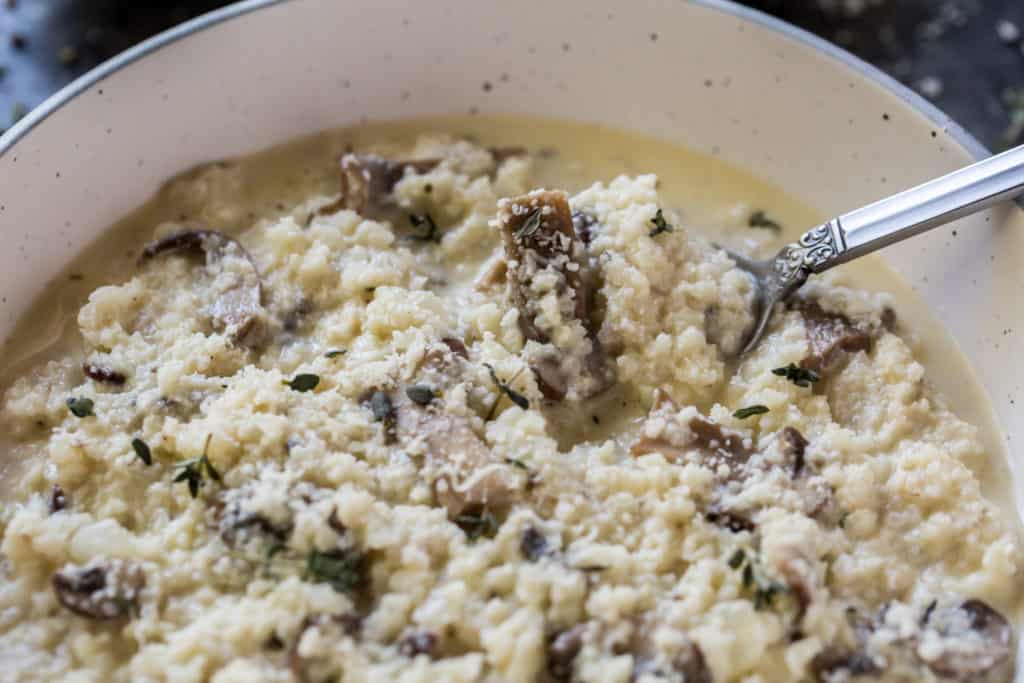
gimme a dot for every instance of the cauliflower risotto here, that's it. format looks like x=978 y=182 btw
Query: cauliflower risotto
x=424 y=417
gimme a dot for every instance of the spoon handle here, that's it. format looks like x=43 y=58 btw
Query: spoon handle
x=914 y=211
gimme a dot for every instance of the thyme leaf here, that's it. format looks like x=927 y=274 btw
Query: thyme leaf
x=505 y=389
x=421 y=394
x=80 y=407
x=142 y=451
x=758 y=219
x=341 y=569
x=802 y=377
x=334 y=353
x=750 y=411
x=304 y=382
x=195 y=471
x=530 y=225
x=660 y=225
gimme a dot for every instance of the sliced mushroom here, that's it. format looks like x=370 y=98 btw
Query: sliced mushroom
x=367 y=180
x=690 y=662
x=456 y=346
x=720 y=446
x=816 y=493
x=101 y=590
x=833 y=662
x=99 y=373
x=729 y=519
x=965 y=641
x=337 y=625
x=686 y=661
x=237 y=308
x=799 y=575
x=562 y=651
x=234 y=524
x=469 y=476
x=545 y=257
x=58 y=499
x=794 y=447
x=716 y=446
x=494 y=272
x=829 y=334
x=838 y=662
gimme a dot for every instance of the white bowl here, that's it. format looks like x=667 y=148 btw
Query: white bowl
x=824 y=126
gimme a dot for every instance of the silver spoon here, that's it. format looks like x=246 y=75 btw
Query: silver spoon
x=878 y=225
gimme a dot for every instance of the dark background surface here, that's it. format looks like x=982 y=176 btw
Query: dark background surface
x=951 y=51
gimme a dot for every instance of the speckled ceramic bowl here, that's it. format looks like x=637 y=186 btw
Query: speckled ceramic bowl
x=719 y=78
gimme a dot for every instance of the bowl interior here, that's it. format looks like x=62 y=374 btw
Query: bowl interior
x=718 y=78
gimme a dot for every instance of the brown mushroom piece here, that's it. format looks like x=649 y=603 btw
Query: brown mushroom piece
x=840 y=662
x=100 y=590
x=818 y=497
x=710 y=444
x=830 y=334
x=545 y=256
x=690 y=662
x=799 y=575
x=687 y=661
x=99 y=373
x=335 y=625
x=562 y=651
x=469 y=476
x=965 y=641
x=237 y=308
x=58 y=499
x=367 y=180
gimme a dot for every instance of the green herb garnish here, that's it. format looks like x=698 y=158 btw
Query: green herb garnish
x=505 y=390
x=530 y=225
x=341 y=569
x=195 y=471
x=758 y=219
x=420 y=393
x=750 y=411
x=477 y=524
x=268 y=558
x=736 y=561
x=142 y=451
x=764 y=596
x=517 y=463
x=802 y=377
x=80 y=407
x=303 y=382
x=660 y=225
x=748 y=576
x=432 y=234
x=764 y=590
x=334 y=353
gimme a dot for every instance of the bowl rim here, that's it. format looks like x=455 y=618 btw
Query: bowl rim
x=55 y=102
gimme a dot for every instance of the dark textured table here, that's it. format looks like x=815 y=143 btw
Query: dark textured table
x=965 y=55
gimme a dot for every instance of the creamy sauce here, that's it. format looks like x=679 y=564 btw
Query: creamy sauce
x=715 y=198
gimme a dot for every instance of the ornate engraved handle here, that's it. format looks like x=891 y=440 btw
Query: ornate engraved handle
x=903 y=215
